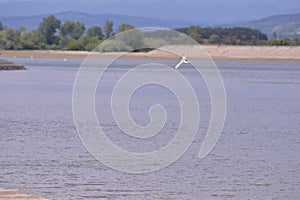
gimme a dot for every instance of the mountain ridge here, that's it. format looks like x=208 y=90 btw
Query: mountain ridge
x=287 y=26
x=32 y=21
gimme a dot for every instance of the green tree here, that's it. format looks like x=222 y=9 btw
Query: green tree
x=74 y=45
x=89 y=43
x=32 y=40
x=108 y=29
x=65 y=29
x=72 y=29
x=1 y=26
x=95 y=31
x=78 y=30
x=10 y=39
x=296 y=41
x=132 y=38
x=113 y=46
x=278 y=42
x=48 y=28
x=154 y=42
x=36 y=39
x=194 y=32
x=236 y=35
x=214 y=39
x=124 y=27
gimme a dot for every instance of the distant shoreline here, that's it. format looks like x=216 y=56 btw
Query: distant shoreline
x=217 y=52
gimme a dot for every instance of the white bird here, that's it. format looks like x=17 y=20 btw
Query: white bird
x=183 y=60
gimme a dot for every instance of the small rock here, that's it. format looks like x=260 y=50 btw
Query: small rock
x=6 y=65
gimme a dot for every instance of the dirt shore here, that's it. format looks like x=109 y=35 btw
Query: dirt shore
x=217 y=52
x=17 y=195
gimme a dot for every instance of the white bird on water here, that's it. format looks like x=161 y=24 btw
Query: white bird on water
x=183 y=60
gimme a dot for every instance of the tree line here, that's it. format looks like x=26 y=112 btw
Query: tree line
x=53 y=34
x=234 y=36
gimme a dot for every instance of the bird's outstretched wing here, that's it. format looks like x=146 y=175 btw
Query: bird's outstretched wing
x=183 y=60
x=180 y=63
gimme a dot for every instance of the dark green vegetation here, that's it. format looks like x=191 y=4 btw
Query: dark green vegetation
x=279 y=26
x=229 y=36
x=52 y=34
x=70 y=35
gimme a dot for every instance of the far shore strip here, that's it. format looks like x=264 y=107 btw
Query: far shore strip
x=216 y=52
x=6 y=194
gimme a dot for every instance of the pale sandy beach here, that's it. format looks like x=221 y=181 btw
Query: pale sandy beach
x=254 y=52
x=217 y=52
x=17 y=195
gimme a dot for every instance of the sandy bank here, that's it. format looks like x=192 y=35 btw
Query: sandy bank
x=17 y=195
x=221 y=52
x=254 y=52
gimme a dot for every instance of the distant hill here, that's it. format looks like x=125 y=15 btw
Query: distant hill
x=204 y=13
x=32 y=22
x=287 y=26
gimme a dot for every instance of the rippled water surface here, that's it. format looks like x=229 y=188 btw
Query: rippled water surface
x=256 y=157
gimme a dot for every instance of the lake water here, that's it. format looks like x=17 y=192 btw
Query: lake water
x=256 y=157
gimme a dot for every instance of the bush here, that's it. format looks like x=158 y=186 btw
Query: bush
x=214 y=39
x=74 y=45
x=113 y=46
x=90 y=43
x=154 y=42
x=278 y=42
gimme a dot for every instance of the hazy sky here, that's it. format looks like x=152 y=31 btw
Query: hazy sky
x=208 y=11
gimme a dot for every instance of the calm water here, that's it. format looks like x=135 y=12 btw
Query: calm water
x=256 y=157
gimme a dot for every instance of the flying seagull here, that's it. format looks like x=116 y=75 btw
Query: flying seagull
x=183 y=60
